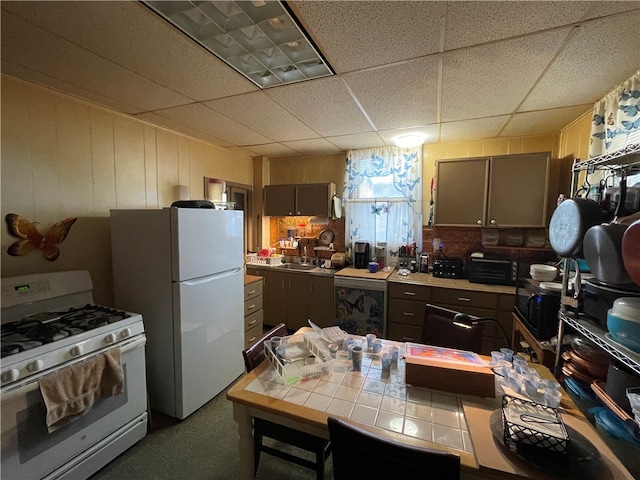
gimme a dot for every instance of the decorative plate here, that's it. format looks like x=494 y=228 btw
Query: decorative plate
x=326 y=237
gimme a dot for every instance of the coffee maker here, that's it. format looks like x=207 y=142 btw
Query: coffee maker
x=361 y=254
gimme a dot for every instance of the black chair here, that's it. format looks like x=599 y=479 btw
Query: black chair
x=358 y=453
x=321 y=447
x=439 y=330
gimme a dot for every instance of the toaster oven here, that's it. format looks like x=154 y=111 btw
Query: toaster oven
x=494 y=271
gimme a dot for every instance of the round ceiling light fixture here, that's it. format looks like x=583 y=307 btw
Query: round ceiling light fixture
x=408 y=141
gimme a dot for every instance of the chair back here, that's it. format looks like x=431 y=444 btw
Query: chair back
x=358 y=453
x=254 y=355
x=440 y=331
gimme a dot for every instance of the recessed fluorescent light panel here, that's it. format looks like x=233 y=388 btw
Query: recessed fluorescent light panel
x=261 y=39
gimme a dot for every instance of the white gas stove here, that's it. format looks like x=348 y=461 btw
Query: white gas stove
x=49 y=323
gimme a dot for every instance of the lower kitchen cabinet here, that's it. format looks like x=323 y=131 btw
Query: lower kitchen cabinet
x=405 y=316
x=407 y=304
x=292 y=298
x=253 y=312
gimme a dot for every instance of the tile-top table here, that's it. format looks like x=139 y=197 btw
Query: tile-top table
x=387 y=406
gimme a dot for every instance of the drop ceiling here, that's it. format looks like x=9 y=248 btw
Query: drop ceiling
x=453 y=71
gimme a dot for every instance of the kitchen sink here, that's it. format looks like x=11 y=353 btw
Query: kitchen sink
x=298 y=266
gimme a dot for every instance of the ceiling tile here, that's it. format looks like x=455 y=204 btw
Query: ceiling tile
x=37 y=49
x=324 y=104
x=543 y=121
x=273 y=150
x=399 y=95
x=315 y=146
x=358 y=140
x=493 y=79
x=473 y=23
x=356 y=35
x=140 y=41
x=262 y=114
x=472 y=129
x=602 y=9
x=204 y=119
x=600 y=53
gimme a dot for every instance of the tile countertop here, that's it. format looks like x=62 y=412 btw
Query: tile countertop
x=429 y=280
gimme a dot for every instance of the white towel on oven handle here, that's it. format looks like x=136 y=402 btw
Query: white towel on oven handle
x=70 y=392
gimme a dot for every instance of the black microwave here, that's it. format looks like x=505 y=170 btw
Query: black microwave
x=495 y=271
x=537 y=308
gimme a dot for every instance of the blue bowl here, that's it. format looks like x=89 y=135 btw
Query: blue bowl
x=626 y=332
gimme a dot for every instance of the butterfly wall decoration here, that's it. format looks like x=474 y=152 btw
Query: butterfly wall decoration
x=31 y=239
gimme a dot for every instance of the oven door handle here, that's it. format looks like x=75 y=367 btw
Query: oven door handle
x=30 y=384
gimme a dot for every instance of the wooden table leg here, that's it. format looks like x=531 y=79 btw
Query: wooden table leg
x=245 y=443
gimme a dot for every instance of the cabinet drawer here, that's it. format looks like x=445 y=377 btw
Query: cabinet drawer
x=252 y=290
x=404 y=333
x=406 y=312
x=252 y=305
x=254 y=319
x=251 y=335
x=409 y=292
x=506 y=303
x=467 y=298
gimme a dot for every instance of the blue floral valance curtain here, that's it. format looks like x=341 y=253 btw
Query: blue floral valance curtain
x=616 y=118
x=382 y=197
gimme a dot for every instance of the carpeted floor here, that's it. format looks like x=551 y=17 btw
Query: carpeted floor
x=203 y=446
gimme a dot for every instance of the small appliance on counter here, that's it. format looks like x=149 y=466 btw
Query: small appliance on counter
x=492 y=270
x=447 y=268
x=424 y=262
x=361 y=254
x=537 y=307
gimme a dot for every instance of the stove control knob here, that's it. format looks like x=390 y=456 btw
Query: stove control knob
x=126 y=333
x=35 y=365
x=76 y=351
x=110 y=338
x=10 y=375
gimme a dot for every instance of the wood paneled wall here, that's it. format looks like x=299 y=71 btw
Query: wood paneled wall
x=63 y=157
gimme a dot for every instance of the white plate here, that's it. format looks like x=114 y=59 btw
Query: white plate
x=551 y=286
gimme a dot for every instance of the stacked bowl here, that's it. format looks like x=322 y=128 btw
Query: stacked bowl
x=542 y=272
x=623 y=322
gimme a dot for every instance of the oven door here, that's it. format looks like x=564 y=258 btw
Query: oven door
x=30 y=452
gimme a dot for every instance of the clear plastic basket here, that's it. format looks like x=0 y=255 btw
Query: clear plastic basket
x=256 y=260
x=313 y=366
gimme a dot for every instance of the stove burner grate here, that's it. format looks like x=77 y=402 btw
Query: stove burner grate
x=48 y=327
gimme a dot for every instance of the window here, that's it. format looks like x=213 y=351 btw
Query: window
x=383 y=197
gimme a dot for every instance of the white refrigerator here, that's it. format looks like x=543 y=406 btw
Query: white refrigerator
x=182 y=269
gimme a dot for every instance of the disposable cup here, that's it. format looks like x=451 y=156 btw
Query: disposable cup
x=356 y=358
x=394 y=354
x=497 y=356
x=552 y=397
x=370 y=338
x=508 y=354
x=376 y=346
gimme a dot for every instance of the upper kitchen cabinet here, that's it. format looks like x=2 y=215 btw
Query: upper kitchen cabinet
x=308 y=199
x=501 y=191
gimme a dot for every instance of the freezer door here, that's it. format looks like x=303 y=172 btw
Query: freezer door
x=209 y=337
x=205 y=242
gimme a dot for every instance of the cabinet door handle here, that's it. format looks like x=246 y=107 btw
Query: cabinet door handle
x=283 y=285
x=409 y=314
x=464 y=299
x=413 y=294
x=251 y=307
x=252 y=292
x=408 y=339
x=251 y=340
x=252 y=322
x=493 y=221
x=479 y=222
